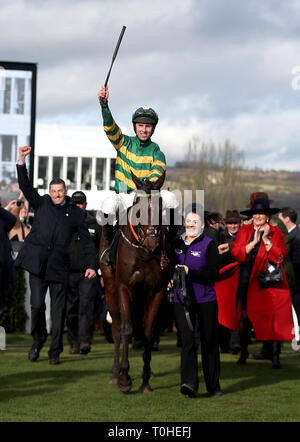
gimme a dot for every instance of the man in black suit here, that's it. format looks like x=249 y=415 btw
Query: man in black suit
x=289 y=218
x=7 y=271
x=45 y=255
x=81 y=293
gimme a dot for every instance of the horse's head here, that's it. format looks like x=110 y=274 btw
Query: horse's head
x=148 y=233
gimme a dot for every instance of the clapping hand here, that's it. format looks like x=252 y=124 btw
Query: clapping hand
x=266 y=230
x=257 y=235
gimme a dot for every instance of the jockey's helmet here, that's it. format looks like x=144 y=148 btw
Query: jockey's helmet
x=145 y=115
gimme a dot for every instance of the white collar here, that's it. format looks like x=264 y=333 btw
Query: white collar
x=183 y=236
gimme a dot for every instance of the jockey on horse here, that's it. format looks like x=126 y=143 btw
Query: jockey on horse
x=138 y=154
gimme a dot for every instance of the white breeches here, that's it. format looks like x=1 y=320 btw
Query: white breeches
x=123 y=201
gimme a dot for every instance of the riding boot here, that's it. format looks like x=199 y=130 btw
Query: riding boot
x=275 y=356
x=108 y=234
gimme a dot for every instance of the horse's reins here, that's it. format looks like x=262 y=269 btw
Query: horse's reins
x=137 y=246
x=179 y=283
x=131 y=227
x=150 y=232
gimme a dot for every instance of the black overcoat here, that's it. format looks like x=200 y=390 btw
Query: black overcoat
x=46 y=248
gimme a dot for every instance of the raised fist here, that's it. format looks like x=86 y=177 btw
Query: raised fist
x=23 y=152
x=103 y=94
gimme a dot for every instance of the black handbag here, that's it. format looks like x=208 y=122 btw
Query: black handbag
x=269 y=279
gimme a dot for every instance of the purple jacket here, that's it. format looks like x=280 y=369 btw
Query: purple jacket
x=194 y=256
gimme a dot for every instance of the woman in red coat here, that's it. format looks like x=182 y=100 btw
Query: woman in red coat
x=257 y=245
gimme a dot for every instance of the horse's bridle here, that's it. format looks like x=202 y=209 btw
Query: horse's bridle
x=140 y=236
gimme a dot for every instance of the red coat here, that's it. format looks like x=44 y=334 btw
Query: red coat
x=269 y=310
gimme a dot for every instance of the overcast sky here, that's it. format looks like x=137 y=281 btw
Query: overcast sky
x=216 y=69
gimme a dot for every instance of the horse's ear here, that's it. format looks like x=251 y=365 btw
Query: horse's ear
x=160 y=182
x=136 y=181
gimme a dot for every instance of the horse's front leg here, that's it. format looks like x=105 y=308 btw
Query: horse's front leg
x=116 y=365
x=149 y=325
x=124 y=380
x=112 y=306
x=145 y=387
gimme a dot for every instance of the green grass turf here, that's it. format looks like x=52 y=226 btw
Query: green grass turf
x=77 y=390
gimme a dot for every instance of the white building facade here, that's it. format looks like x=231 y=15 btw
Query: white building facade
x=15 y=121
x=81 y=155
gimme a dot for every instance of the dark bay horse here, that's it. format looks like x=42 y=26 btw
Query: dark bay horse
x=136 y=286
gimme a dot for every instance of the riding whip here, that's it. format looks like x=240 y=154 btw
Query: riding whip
x=115 y=54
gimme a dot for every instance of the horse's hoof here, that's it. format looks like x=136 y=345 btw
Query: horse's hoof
x=124 y=384
x=145 y=389
x=152 y=375
x=124 y=388
x=113 y=381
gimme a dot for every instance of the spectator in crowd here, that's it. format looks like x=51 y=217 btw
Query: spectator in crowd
x=288 y=216
x=198 y=256
x=14 y=314
x=213 y=225
x=258 y=246
x=22 y=228
x=229 y=339
x=45 y=255
x=7 y=271
x=208 y=230
x=215 y=220
x=266 y=351
x=81 y=293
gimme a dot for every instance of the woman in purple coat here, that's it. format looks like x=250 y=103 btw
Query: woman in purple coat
x=195 y=300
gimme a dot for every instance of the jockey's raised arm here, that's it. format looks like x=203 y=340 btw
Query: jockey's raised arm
x=139 y=153
x=111 y=129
